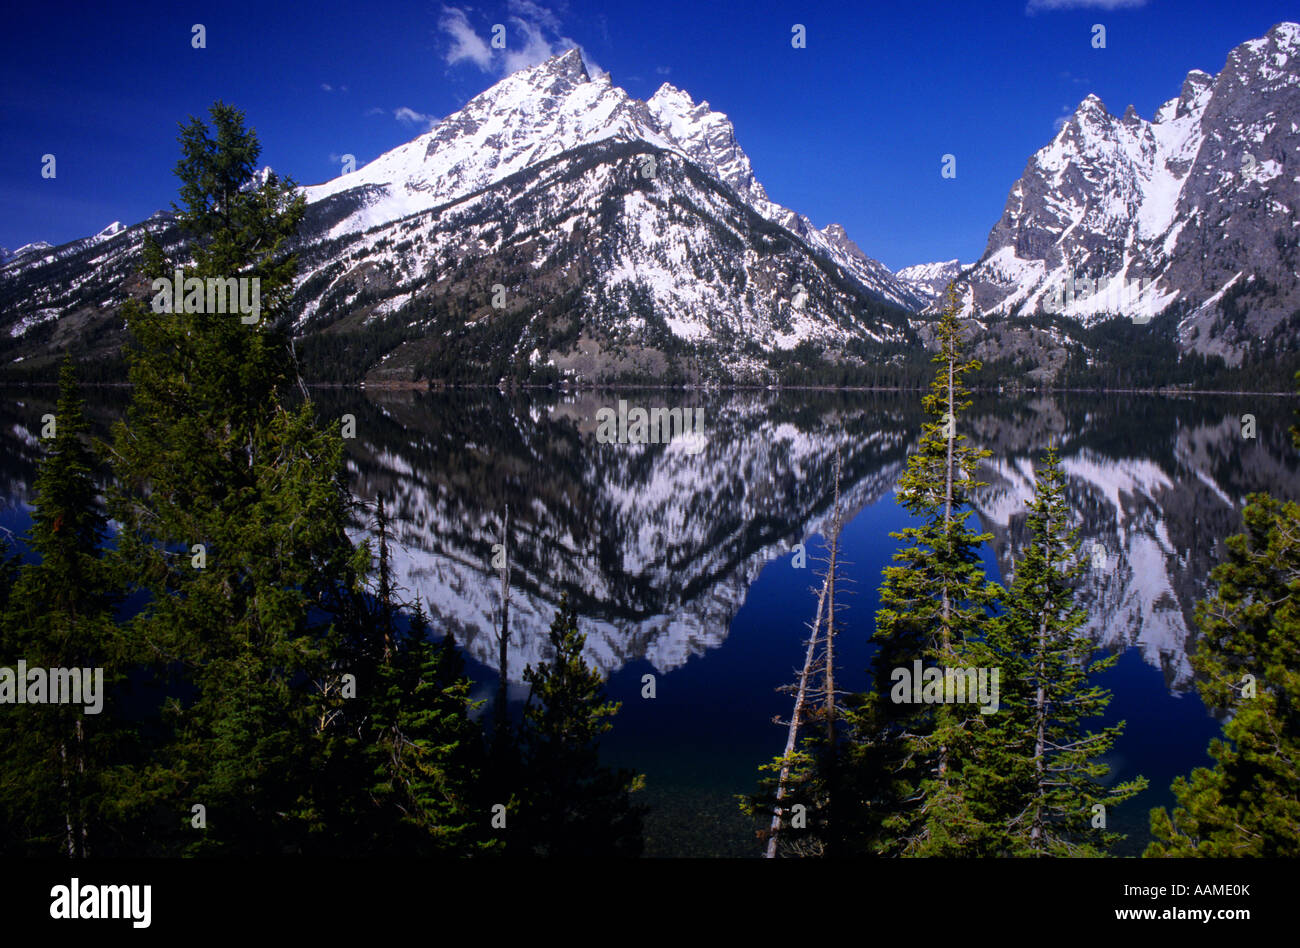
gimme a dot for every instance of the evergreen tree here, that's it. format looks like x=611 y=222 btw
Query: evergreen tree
x=234 y=506
x=1248 y=661
x=907 y=795
x=422 y=752
x=569 y=804
x=9 y=565
x=430 y=751
x=56 y=785
x=1036 y=771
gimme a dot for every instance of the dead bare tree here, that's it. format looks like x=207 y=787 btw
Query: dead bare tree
x=502 y=716
x=792 y=734
x=819 y=662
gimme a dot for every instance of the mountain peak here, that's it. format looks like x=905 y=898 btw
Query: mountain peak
x=1285 y=34
x=1089 y=115
x=568 y=63
x=670 y=98
x=930 y=280
x=667 y=91
x=1162 y=212
x=840 y=238
x=33 y=247
x=1195 y=93
x=556 y=76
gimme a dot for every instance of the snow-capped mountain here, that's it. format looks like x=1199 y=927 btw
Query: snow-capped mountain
x=1194 y=211
x=556 y=226
x=41 y=252
x=930 y=279
x=628 y=239
x=541 y=113
x=34 y=247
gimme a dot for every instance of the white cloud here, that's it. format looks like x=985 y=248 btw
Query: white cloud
x=536 y=13
x=404 y=114
x=663 y=70
x=1036 y=6
x=466 y=44
x=327 y=87
x=593 y=67
x=533 y=36
x=536 y=49
x=407 y=115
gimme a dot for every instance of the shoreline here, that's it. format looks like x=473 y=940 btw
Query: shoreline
x=730 y=387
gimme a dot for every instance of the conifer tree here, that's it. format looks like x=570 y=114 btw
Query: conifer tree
x=56 y=783
x=433 y=751
x=9 y=564
x=570 y=805
x=422 y=752
x=502 y=739
x=234 y=507
x=1248 y=662
x=1036 y=771
x=908 y=791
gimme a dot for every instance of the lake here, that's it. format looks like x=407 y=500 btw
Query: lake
x=680 y=556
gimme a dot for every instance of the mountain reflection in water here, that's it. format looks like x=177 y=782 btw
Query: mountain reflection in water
x=680 y=560
x=658 y=546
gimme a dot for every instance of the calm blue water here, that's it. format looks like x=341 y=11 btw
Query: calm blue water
x=681 y=567
x=731 y=689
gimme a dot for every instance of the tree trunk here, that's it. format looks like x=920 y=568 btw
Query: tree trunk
x=502 y=723
x=945 y=631
x=70 y=837
x=1036 y=840
x=947 y=497
x=81 y=787
x=825 y=603
x=830 y=611
x=792 y=736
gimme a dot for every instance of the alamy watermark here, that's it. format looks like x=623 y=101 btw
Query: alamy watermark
x=90 y=900
x=916 y=685
x=53 y=686
x=651 y=426
x=241 y=295
x=1114 y=294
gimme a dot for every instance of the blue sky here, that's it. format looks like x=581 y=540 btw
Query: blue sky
x=853 y=128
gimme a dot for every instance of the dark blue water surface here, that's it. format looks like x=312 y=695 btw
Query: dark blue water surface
x=681 y=567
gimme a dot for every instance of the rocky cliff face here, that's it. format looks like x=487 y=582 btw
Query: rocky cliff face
x=1193 y=212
